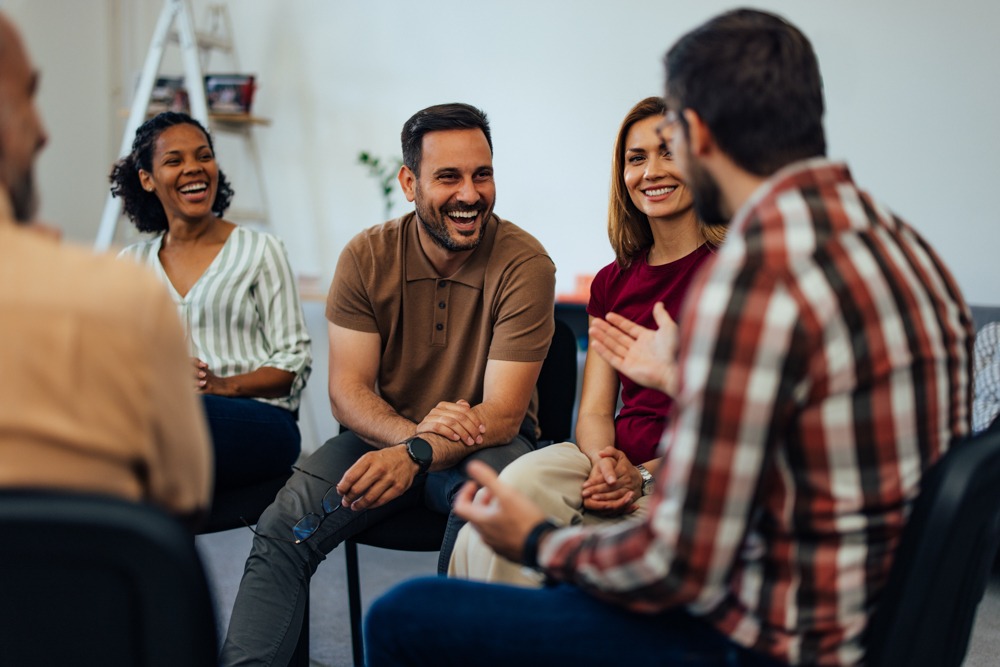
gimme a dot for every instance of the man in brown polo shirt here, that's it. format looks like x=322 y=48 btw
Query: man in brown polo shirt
x=439 y=323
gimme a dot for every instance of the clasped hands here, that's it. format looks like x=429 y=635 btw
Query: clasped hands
x=208 y=382
x=614 y=484
x=385 y=474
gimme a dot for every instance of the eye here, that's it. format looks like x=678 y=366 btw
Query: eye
x=484 y=175
x=666 y=152
x=636 y=158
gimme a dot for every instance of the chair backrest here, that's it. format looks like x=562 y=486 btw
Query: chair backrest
x=557 y=386
x=924 y=616
x=92 y=580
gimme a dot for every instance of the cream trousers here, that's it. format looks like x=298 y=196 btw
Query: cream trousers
x=553 y=477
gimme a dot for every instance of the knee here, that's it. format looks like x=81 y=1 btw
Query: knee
x=525 y=474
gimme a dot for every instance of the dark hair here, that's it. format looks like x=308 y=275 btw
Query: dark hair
x=628 y=227
x=454 y=116
x=144 y=208
x=754 y=80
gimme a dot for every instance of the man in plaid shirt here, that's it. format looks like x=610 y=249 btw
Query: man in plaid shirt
x=821 y=366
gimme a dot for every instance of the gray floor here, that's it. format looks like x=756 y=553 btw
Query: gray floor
x=224 y=554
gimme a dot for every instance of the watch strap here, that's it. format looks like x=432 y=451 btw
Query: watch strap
x=529 y=553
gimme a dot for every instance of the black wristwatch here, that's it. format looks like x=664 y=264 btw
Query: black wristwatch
x=421 y=453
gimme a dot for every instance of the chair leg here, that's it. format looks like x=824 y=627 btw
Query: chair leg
x=354 y=601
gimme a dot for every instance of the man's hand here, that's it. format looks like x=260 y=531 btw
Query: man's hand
x=613 y=485
x=648 y=356
x=454 y=421
x=502 y=515
x=376 y=478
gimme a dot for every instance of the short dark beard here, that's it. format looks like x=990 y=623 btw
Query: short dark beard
x=438 y=230
x=706 y=194
x=23 y=198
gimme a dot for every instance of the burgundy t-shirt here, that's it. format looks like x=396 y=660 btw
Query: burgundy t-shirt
x=631 y=293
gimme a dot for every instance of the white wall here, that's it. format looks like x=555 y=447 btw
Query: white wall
x=911 y=96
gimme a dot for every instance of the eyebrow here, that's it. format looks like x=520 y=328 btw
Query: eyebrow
x=177 y=151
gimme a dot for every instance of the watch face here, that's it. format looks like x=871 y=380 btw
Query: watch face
x=420 y=452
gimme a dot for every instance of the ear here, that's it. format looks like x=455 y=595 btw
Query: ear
x=701 y=142
x=408 y=181
x=146 y=180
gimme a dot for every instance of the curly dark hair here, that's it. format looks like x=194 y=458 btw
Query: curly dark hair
x=144 y=208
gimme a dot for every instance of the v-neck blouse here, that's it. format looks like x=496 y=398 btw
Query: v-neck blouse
x=243 y=312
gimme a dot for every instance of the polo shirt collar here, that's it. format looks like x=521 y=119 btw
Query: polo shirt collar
x=472 y=273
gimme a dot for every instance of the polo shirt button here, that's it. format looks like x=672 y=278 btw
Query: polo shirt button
x=441 y=304
x=439 y=326
x=443 y=283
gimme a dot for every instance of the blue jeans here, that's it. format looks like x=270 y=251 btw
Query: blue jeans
x=270 y=605
x=438 y=622
x=251 y=440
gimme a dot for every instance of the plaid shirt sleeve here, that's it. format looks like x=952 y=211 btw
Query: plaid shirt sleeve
x=986 y=404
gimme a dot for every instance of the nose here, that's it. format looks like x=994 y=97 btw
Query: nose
x=192 y=165
x=655 y=168
x=467 y=192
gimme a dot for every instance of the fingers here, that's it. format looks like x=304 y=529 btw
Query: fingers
x=614 y=506
x=626 y=326
x=607 y=466
x=455 y=421
x=661 y=316
x=376 y=478
x=466 y=493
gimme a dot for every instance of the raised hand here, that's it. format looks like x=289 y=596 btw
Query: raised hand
x=503 y=515
x=647 y=356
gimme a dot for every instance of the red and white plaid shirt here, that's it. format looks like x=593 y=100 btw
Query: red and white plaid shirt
x=825 y=358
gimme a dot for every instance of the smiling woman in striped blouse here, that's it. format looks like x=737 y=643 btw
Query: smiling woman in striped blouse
x=234 y=290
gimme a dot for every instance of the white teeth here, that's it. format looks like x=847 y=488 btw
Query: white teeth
x=660 y=191
x=194 y=187
x=464 y=214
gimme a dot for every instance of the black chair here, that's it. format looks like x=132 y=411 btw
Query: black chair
x=231 y=506
x=92 y=580
x=235 y=508
x=924 y=616
x=420 y=529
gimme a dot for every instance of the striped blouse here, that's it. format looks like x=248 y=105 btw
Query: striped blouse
x=243 y=313
x=826 y=357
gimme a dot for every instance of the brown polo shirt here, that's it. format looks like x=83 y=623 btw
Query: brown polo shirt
x=438 y=332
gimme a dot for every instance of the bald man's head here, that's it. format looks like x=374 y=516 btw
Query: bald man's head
x=22 y=135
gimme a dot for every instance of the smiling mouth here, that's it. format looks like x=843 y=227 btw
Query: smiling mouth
x=463 y=218
x=659 y=192
x=194 y=188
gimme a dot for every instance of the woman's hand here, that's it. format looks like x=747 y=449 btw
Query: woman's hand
x=208 y=382
x=613 y=486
